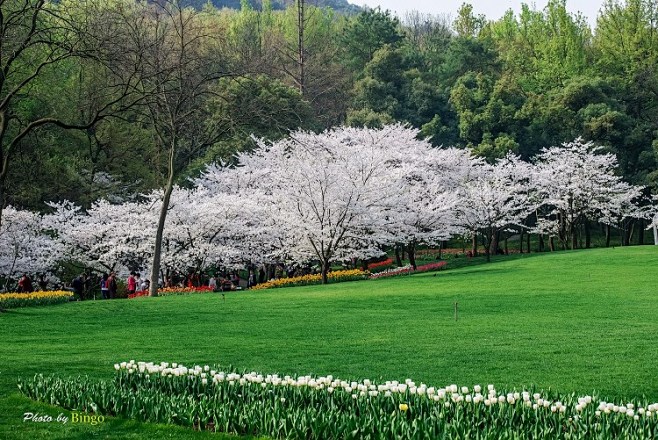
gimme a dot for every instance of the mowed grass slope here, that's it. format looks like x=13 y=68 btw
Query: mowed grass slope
x=578 y=321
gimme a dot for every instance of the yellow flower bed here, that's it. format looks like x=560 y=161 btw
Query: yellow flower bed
x=305 y=280
x=12 y=299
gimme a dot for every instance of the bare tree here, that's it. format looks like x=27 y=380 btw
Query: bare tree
x=36 y=37
x=172 y=51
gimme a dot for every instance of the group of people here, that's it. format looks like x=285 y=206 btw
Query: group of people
x=109 y=285
x=134 y=283
x=224 y=284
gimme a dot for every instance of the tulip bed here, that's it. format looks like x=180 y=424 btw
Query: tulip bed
x=44 y=298
x=206 y=398
x=168 y=291
x=308 y=280
x=408 y=270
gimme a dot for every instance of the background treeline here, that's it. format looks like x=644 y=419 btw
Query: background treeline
x=519 y=84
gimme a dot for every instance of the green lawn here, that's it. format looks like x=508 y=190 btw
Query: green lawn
x=578 y=321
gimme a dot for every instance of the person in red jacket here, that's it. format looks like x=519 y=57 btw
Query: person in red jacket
x=25 y=284
x=132 y=283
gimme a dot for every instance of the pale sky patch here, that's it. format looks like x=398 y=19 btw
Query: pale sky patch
x=493 y=10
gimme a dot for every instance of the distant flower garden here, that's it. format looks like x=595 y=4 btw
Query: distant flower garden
x=206 y=398
x=311 y=279
x=14 y=300
x=408 y=269
x=170 y=291
x=350 y=275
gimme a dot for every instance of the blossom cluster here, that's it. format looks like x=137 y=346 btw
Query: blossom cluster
x=13 y=300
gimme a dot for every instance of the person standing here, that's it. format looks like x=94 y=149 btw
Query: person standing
x=132 y=284
x=212 y=283
x=78 y=285
x=112 y=285
x=105 y=291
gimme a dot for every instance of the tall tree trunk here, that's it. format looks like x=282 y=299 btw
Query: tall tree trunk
x=325 y=270
x=157 y=250
x=398 y=259
x=2 y=195
x=301 y=56
x=474 y=244
x=588 y=235
x=607 y=235
x=551 y=243
x=640 y=232
x=542 y=245
x=493 y=242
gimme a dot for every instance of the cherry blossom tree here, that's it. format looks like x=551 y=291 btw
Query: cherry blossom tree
x=106 y=237
x=425 y=211
x=329 y=193
x=24 y=247
x=494 y=198
x=576 y=183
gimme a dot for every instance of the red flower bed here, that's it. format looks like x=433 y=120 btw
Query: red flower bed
x=431 y=266
x=173 y=291
x=384 y=263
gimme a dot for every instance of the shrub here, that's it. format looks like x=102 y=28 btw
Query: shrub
x=43 y=298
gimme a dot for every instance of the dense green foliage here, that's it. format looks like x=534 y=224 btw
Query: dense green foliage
x=519 y=84
x=581 y=321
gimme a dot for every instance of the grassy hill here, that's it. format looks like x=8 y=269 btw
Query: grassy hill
x=577 y=321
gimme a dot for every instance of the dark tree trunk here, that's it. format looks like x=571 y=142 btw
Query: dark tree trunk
x=411 y=250
x=157 y=250
x=588 y=235
x=2 y=193
x=640 y=232
x=325 y=271
x=551 y=243
x=607 y=235
x=398 y=259
x=474 y=244
x=521 y=237
x=493 y=242
x=542 y=245
x=527 y=241
x=574 y=239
